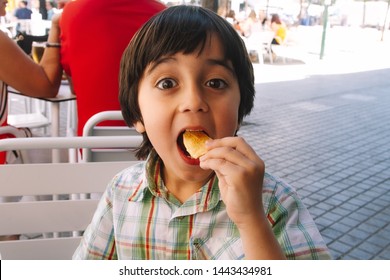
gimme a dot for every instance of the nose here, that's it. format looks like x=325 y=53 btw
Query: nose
x=194 y=100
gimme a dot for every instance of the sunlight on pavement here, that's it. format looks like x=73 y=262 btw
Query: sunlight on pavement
x=347 y=50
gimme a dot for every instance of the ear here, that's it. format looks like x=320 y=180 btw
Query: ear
x=139 y=127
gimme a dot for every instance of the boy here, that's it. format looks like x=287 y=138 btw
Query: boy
x=187 y=70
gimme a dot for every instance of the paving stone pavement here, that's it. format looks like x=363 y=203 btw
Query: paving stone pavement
x=329 y=136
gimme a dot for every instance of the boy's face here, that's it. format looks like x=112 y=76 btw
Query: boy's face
x=188 y=92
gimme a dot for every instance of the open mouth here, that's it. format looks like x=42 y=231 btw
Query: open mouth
x=180 y=143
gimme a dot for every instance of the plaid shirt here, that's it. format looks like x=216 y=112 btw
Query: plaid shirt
x=137 y=218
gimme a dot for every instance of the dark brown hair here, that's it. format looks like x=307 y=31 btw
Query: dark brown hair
x=180 y=29
x=276 y=18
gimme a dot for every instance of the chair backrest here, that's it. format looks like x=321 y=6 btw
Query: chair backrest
x=17 y=133
x=38 y=217
x=70 y=143
x=33 y=119
x=91 y=128
x=63 y=214
x=6 y=129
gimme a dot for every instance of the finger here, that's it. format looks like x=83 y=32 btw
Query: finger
x=224 y=155
x=220 y=165
x=236 y=151
x=233 y=172
x=236 y=143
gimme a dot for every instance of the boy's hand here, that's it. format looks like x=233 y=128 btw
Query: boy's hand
x=240 y=172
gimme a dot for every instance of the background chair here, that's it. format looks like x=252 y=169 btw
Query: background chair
x=58 y=220
x=90 y=142
x=91 y=128
x=17 y=133
x=6 y=129
x=35 y=115
x=60 y=216
x=260 y=42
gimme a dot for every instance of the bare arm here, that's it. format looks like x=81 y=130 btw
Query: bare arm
x=22 y=73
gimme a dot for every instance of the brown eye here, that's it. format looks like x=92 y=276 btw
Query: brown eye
x=216 y=83
x=166 y=84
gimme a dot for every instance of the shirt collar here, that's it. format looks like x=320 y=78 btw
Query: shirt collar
x=205 y=199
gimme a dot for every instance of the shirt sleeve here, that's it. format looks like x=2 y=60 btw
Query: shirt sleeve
x=98 y=241
x=292 y=223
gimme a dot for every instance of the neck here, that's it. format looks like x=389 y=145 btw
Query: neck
x=180 y=188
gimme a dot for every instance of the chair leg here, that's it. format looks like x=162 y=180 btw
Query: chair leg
x=261 y=56
x=24 y=156
x=270 y=55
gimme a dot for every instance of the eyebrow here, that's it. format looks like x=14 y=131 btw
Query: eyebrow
x=157 y=62
x=221 y=62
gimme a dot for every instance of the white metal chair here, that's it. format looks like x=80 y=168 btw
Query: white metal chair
x=63 y=215
x=69 y=142
x=60 y=216
x=35 y=116
x=91 y=128
x=7 y=129
x=261 y=43
x=17 y=133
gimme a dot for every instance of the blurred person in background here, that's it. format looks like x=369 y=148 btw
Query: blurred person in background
x=39 y=9
x=280 y=30
x=251 y=24
x=51 y=9
x=22 y=12
x=231 y=18
x=94 y=34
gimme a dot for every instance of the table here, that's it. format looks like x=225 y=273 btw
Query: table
x=64 y=95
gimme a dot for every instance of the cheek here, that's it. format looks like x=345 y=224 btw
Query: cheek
x=153 y=113
x=147 y=105
x=229 y=122
x=227 y=118
x=155 y=118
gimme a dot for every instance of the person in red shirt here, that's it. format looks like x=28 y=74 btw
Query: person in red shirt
x=94 y=34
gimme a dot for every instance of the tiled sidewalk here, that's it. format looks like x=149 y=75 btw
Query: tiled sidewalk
x=329 y=136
